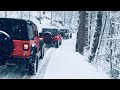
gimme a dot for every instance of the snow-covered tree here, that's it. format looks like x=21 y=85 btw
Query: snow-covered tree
x=96 y=35
x=80 y=43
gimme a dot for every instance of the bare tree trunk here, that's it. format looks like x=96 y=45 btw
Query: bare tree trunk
x=64 y=18
x=17 y=14
x=81 y=33
x=29 y=15
x=86 y=29
x=51 y=17
x=44 y=12
x=40 y=16
x=5 y=14
x=89 y=35
x=21 y=14
x=102 y=33
x=96 y=35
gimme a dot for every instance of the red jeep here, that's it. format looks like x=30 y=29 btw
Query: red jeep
x=19 y=43
x=52 y=36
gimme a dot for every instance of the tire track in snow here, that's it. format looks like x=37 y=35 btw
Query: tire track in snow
x=4 y=70
x=15 y=72
x=43 y=69
x=11 y=72
x=42 y=65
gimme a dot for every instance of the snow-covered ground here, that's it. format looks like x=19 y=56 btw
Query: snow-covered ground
x=61 y=63
x=16 y=72
x=65 y=63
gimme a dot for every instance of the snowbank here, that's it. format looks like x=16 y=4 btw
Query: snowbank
x=65 y=63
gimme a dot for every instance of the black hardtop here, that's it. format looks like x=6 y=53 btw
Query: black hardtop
x=25 y=20
x=16 y=28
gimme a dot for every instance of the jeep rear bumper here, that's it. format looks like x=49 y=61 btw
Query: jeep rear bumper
x=17 y=60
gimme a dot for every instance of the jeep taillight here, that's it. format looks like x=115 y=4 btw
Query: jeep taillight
x=25 y=46
x=41 y=38
x=57 y=37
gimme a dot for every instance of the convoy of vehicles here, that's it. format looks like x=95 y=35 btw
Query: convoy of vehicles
x=19 y=43
x=66 y=33
x=52 y=36
x=22 y=44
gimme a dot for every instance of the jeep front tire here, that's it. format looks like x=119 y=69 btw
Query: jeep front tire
x=60 y=42
x=56 y=44
x=33 y=66
x=42 y=53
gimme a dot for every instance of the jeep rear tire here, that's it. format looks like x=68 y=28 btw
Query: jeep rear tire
x=42 y=53
x=6 y=46
x=67 y=37
x=33 y=67
x=71 y=36
x=60 y=42
x=47 y=38
x=57 y=44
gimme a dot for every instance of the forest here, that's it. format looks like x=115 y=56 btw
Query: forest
x=98 y=34
x=99 y=39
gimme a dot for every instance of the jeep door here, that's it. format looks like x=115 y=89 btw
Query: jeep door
x=36 y=36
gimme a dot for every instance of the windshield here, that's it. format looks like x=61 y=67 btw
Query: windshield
x=17 y=29
x=54 y=32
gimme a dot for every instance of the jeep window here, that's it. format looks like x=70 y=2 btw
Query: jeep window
x=66 y=31
x=35 y=30
x=59 y=32
x=54 y=32
x=30 y=31
x=15 y=28
x=41 y=34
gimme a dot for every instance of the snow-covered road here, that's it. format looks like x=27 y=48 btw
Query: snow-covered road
x=16 y=72
x=58 y=63
x=65 y=63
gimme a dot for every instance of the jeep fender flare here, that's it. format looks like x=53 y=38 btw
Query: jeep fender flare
x=33 y=51
x=33 y=48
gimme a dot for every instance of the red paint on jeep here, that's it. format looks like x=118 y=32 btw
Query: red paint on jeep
x=56 y=38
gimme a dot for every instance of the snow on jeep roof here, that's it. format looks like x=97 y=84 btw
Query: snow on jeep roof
x=15 y=28
x=33 y=20
x=51 y=27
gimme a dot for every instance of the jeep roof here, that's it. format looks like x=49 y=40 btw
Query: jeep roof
x=54 y=31
x=18 y=29
x=65 y=30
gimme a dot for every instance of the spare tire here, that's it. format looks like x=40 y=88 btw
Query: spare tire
x=47 y=37
x=6 y=46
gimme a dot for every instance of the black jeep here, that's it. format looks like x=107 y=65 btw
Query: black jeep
x=52 y=36
x=66 y=33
